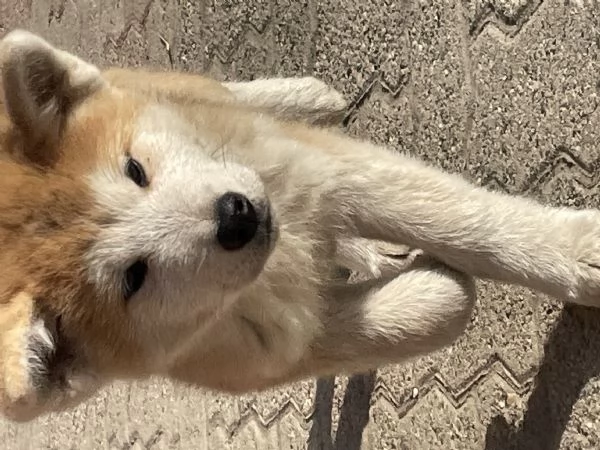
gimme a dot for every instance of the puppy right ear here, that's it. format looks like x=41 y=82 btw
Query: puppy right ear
x=41 y=85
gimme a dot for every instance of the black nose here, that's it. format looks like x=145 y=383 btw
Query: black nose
x=237 y=221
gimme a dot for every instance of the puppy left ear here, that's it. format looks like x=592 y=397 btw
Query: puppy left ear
x=38 y=374
x=41 y=85
x=21 y=340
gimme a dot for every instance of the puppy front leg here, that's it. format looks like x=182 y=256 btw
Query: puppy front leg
x=482 y=233
x=388 y=321
x=305 y=99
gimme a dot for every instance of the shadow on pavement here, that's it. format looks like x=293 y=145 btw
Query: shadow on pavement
x=572 y=357
x=354 y=414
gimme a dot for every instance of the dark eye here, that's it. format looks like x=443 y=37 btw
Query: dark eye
x=134 y=278
x=135 y=171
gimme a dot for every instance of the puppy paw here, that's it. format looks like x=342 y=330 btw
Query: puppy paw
x=582 y=233
x=370 y=259
x=329 y=104
x=305 y=99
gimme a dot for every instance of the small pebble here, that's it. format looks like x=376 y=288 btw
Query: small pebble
x=512 y=399
x=415 y=392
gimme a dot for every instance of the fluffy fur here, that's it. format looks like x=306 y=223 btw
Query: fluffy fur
x=280 y=308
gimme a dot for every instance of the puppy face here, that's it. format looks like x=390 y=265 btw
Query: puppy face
x=121 y=226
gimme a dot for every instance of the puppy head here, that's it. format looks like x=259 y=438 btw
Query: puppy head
x=121 y=225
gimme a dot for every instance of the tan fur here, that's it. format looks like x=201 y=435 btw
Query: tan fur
x=280 y=309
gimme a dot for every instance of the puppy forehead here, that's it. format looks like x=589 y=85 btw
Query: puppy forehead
x=99 y=132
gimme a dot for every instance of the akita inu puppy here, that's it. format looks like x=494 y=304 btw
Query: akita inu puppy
x=170 y=225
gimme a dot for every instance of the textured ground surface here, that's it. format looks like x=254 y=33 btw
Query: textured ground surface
x=503 y=91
